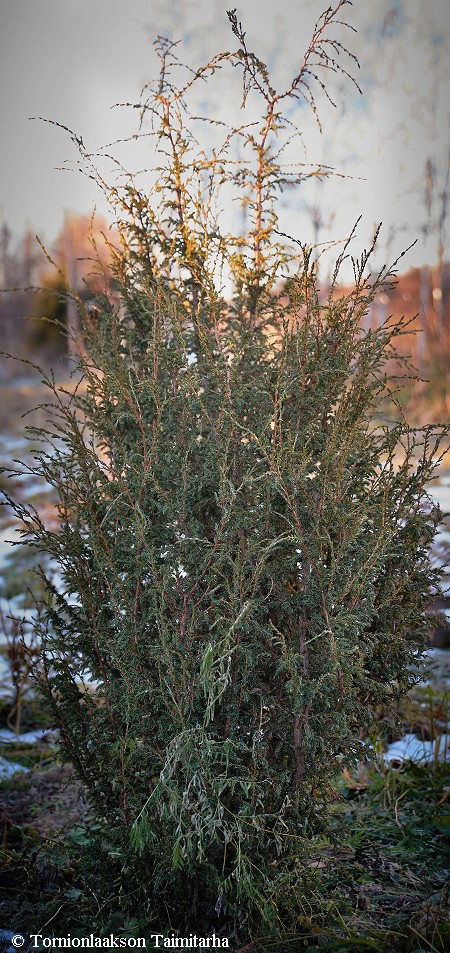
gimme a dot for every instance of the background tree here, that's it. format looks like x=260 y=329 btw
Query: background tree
x=40 y=288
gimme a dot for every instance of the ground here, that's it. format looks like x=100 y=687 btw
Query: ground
x=378 y=879
x=43 y=803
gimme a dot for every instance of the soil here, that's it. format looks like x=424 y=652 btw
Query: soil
x=36 y=810
x=43 y=802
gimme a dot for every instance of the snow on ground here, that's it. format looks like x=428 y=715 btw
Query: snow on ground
x=411 y=748
x=28 y=737
x=435 y=665
x=9 y=768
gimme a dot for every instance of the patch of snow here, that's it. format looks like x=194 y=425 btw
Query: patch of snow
x=11 y=444
x=9 y=768
x=411 y=748
x=12 y=607
x=6 y=539
x=435 y=667
x=8 y=737
x=5 y=677
x=441 y=494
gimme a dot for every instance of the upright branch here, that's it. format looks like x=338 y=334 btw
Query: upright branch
x=178 y=220
x=268 y=173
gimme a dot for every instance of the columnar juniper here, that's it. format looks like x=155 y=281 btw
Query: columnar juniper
x=243 y=542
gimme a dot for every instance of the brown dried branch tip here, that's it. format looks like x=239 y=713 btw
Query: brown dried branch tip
x=244 y=523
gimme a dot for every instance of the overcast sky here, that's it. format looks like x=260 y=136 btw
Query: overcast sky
x=72 y=60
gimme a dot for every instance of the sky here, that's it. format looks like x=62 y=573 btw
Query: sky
x=70 y=61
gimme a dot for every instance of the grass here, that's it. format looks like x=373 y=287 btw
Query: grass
x=33 y=756
x=379 y=880
x=387 y=867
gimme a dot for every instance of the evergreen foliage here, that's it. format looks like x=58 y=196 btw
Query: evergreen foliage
x=243 y=543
